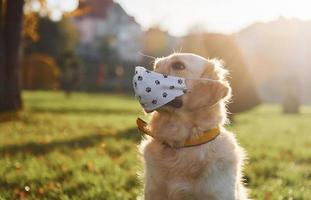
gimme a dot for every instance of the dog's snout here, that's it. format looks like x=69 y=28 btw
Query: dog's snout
x=176 y=103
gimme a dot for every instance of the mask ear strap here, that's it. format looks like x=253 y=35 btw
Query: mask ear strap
x=202 y=79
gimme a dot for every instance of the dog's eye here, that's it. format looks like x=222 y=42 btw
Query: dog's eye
x=178 y=65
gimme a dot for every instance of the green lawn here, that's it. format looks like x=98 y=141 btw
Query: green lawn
x=85 y=147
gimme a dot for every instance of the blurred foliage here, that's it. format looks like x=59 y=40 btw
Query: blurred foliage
x=40 y=71
x=30 y=21
x=86 y=148
x=157 y=42
x=30 y=26
x=31 y=16
x=56 y=41
x=55 y=38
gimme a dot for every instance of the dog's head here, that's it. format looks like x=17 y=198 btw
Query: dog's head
x=202 y=107
x=201 y=93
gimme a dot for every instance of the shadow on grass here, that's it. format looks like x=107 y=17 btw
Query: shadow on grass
x=82 y=142
x=86 y=110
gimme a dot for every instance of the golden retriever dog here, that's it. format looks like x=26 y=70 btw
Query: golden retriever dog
x=212 y=170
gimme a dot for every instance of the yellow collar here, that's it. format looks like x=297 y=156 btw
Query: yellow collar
x=203 y=138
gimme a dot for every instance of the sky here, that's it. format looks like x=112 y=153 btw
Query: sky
x=181 y=16
x=225 y=16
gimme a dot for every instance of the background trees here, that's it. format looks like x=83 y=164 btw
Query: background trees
x=210 y=45
x=50 y=38
x=55 y=38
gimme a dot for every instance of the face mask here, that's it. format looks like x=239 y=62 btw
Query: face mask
x=154 y=90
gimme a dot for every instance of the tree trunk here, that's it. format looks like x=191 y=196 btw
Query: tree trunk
x=2 y=51
x=10 y=55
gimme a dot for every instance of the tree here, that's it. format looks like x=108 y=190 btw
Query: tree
x=156 y=42
x=11 y=16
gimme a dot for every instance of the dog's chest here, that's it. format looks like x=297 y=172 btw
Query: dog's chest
x=178 y=163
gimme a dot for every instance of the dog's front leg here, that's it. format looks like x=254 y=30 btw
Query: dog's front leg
x=220 y=185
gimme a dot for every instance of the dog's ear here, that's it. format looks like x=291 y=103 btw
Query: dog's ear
x=207 y=94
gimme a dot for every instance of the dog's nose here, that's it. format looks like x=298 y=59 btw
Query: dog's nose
x=176 y=103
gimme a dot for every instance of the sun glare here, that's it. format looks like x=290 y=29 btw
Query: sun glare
x=178 y=16
x=58 y=7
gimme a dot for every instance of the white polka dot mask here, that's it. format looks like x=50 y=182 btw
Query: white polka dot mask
x=154 y=90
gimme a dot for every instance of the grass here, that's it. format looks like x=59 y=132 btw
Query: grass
x=85 y=147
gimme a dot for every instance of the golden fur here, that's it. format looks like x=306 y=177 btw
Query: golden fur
x=209 y=171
